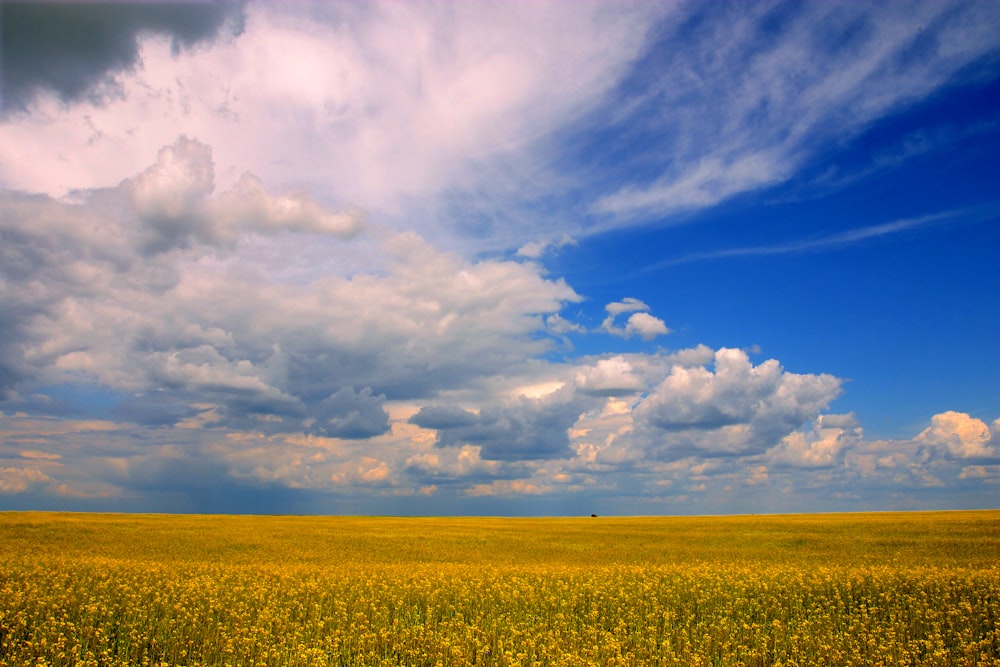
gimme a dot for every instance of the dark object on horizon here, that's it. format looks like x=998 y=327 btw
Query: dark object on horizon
x=594 y=516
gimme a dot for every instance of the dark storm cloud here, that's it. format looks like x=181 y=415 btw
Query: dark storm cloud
x=75 y=49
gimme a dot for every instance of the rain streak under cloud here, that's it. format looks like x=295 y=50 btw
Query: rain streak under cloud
x=494 y=258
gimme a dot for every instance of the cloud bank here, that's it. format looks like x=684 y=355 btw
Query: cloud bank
x=296 y=257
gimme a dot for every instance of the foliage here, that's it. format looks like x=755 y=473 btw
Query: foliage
x=862 y=589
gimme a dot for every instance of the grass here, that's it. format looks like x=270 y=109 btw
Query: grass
x=843 y=589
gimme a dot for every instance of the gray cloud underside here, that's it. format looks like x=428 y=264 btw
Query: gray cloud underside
x=522 y=429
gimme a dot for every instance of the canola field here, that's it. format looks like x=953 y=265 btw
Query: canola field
x=844 y=589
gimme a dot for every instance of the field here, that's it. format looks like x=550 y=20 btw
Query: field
x=846 y=589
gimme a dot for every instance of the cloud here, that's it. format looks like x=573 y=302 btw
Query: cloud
x=645 y=326
x=610 y=377
x=706 y=183
x=147 y=288
x=537 y=249
x=740 y=99
x=962 y=436
x=822 y=447
x=248 y=205
x=168 y=194
x=639 y=324
x=225 y=327
x=523 y=428
x=627 y=305
x=833 y=241
x=444 y=417
x=736 y=410
x=559 y=325
x=430 y=115
x=452 y=467
x=172 y=199
x=351 y=414
x=76 y=50
x=507 y=487
x=384 y=106
x=20 y=480
x=988 y=474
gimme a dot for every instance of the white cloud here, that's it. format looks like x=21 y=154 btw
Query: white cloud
x=172 y=198
x=640 y=323
x=822 y=447
x=962 y=435
x=610 y=377
x=173 y=187
x=706 y=183
x=645 y=326
x=20 y=480
x=537 y=249
x=737 y=409
x=627 y=305
x=558 y=324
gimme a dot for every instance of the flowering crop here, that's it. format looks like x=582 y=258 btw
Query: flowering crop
x=879 y=589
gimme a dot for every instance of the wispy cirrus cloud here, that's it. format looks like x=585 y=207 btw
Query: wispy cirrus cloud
x=740 y=99
x=835 y=241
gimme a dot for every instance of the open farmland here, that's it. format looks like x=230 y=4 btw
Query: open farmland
x=845 y=589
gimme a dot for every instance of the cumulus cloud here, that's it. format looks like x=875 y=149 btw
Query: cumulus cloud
x=961 y=435
x=20 y=480
x=452 y=466
x=736 y=408
x=352 y=414
x=610 y=377
x=141 y=289
x=248 y=205
x=640 y=323
x=172 y=200
x=822 y=446
x=523 y=428
x=508 y=487
x=627 y=305
x=645 y=326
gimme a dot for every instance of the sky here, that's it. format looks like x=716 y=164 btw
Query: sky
x=500 y=258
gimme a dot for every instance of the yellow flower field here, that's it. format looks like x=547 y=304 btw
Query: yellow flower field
x=846 y=589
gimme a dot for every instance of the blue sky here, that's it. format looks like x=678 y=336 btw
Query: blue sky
x=500 y=258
